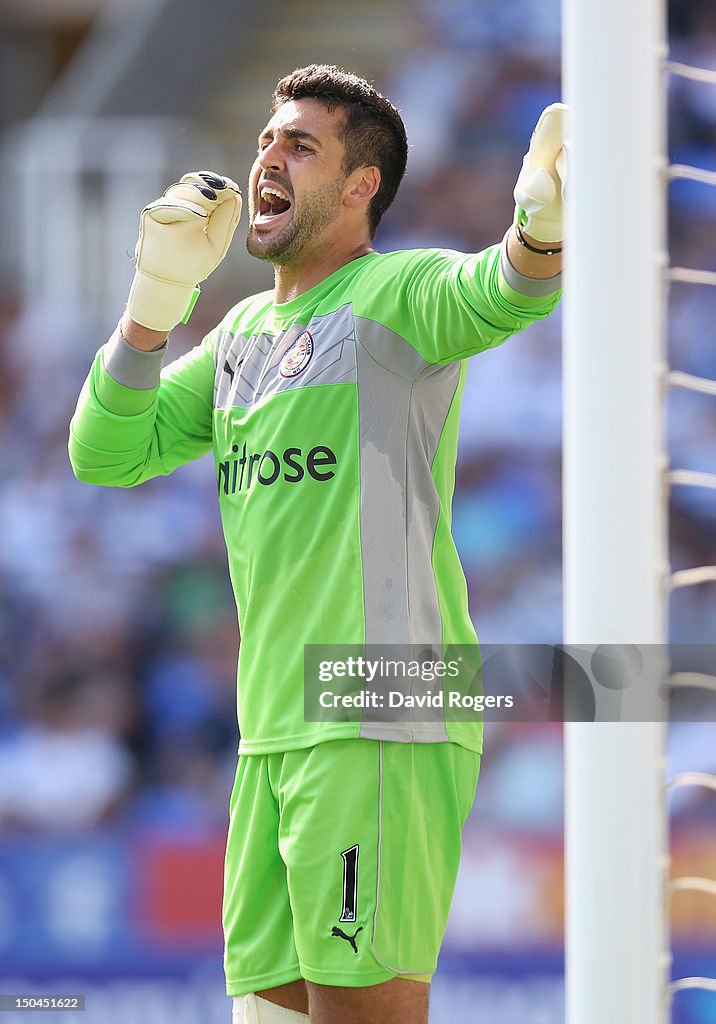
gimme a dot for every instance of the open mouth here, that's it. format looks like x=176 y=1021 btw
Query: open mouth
x=273 y=204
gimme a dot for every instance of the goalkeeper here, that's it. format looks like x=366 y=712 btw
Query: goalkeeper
x=331 y=404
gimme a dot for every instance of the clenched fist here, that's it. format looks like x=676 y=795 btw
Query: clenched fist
x=539 y=192
x=183 y=237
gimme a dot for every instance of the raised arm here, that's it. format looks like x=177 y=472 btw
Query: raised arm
x=131 y=424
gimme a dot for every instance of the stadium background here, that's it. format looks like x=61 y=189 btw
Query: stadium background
x=118 y=636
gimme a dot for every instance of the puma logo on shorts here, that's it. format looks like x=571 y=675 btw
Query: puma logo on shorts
x=349 y=938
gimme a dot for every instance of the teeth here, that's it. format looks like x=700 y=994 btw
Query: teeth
x=272 y=192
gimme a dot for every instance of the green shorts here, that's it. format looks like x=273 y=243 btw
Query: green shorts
x=341 y=861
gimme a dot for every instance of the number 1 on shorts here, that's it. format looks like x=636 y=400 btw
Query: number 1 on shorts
x=350 y=883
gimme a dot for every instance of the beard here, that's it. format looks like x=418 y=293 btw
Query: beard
x=318 y=210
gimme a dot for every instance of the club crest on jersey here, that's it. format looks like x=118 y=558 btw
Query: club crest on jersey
x=297 y=357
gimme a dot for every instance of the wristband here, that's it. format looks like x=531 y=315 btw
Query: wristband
x=541 y=252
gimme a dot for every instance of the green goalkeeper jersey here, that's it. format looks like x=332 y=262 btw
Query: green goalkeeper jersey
x=333 y=420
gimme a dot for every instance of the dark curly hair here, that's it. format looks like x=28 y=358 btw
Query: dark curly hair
x=373 y=133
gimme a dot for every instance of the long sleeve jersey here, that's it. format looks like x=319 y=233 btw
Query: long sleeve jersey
x=333 y=420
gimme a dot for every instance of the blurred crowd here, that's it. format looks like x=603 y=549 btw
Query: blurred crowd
x=118 y=633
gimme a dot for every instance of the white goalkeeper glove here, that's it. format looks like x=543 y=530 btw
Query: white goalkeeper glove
x=183 y=237
x=539 y=192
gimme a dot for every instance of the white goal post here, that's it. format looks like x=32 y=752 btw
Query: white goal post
x=616 y=569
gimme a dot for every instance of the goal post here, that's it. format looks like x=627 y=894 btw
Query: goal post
x=615 y=509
